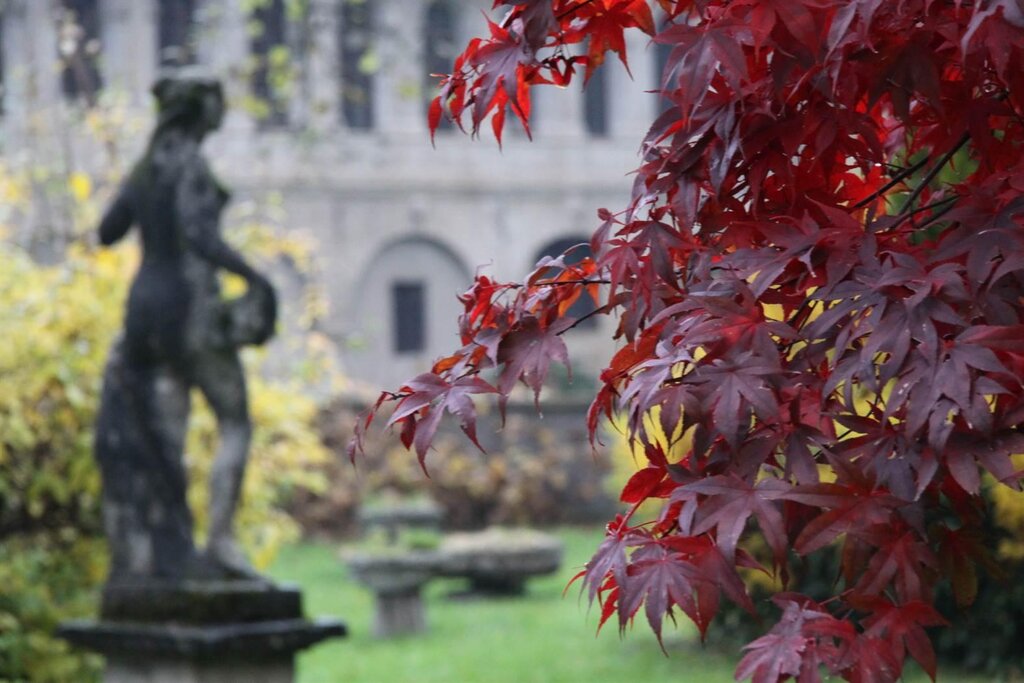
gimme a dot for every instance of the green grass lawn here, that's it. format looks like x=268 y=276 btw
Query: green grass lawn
x=541 y=637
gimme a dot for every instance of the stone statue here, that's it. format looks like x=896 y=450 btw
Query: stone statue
x=170 y=612
x=179 y=333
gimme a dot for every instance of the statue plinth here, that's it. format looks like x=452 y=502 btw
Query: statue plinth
x=200 y=632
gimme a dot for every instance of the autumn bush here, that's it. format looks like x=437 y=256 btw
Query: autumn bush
x=538 y=472
x=819 y=286
x=58 y=323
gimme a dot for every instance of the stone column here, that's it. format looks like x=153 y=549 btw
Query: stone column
x=631 y=108
x=323 y=76
x=223 y=48
x=31 y=78
x=128 y=36
x=399 y=42
x=34 y=122
x=559 y=111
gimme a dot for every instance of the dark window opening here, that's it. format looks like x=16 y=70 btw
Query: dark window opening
x=271 y=73
x=583 y=306
x=440 y=49
x=177 y=32
x=595 y=103
x=78 y=46
x=409 y=306
x=356 y=53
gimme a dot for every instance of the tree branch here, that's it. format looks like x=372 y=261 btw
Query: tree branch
x=946 y=203
x=932 y=172
x=896 y=179
x=591 y=314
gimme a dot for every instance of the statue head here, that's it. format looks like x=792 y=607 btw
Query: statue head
x=192 y=103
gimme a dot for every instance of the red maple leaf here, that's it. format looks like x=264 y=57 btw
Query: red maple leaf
x=527 y=352
x=428 y=397
x=604 y=21
x=726 y=505
x=903 y=626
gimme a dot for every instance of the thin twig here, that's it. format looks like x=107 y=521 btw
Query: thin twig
x=934 y=171
x=591 y=314
x=552 y=283
x=938 y=214
x=892 y=183
x=573 y=10
x=907 y=216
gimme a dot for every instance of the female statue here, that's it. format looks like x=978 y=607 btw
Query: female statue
x=179 y=333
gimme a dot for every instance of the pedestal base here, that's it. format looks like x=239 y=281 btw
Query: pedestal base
x=396 y=581
x=260 y=652
x=200 y=633
x=127 y=670
x=399 y=614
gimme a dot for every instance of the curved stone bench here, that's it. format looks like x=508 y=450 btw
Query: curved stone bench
x=499 y=561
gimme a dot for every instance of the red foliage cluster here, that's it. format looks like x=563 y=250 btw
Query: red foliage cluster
x=819 y=287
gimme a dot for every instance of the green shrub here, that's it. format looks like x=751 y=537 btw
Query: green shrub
x=45 y=579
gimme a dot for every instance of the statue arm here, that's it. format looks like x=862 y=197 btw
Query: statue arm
x=209 y=246
x=118 y=218
x=199 y=210
x=199 y=205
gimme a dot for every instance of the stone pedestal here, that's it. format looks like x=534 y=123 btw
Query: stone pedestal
x=175 y=671
x=399 y=614
x=396 y=582
x=200 y=632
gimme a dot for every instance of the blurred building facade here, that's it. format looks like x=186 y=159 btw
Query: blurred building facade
x=328 y=102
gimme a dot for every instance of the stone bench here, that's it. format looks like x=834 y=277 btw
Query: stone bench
x=498 y=561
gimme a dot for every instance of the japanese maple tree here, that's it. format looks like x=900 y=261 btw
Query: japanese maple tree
x=819 y=292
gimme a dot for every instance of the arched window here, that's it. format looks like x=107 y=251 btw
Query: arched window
x=595 y=103
x=439 y=48
x=269 y=29
x=79 y=47
x=357 y=63
x=584 y=306
x=403 y=309
x=177 y=29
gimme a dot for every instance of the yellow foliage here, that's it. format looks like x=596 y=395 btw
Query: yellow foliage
x=1009 y=514
x=80 y=185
